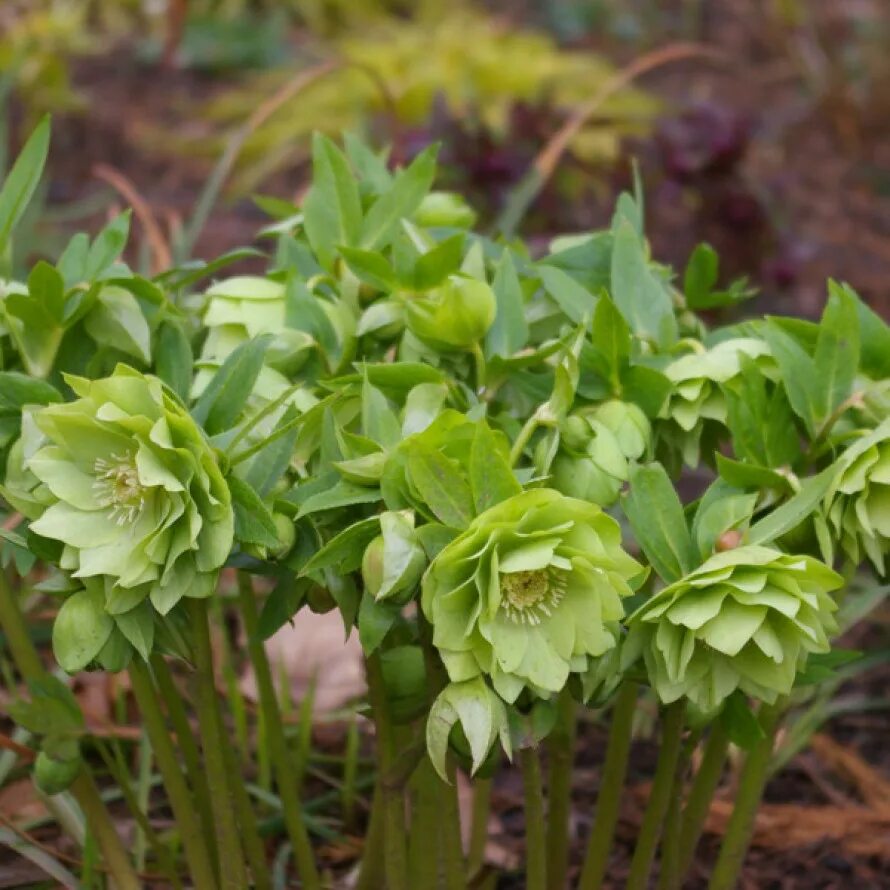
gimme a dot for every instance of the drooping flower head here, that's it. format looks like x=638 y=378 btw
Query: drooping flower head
x=697 y=397
x=529 y=592
x=134 y=492
x=857 y=504
x=746 y=619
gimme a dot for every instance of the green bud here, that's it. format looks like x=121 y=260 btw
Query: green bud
x=455 y=315
x=628 y=424
x=597 y=473
x=55 y=776
x=394 y=561
x=444 y=209
x=287 y=534
x=746 y=619
x=404 y=677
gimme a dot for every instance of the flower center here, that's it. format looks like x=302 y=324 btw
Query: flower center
x=529 y=597
x=117 y=486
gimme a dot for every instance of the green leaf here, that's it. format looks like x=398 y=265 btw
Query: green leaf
x=117 y=321
x=422 y=406
x=837 y=351
x=799 y=376
x=722 y=509
x=794 y=511
x=611 y=340
x=400 y=201
x=22 y=181
x=370 y=267
x=227 y=393
x=173 y=358
x=747 y=476
x=47 y=286
x=509 y=331
x=270 y=463
x=343 y=494
x=640 y=296
x=332 y=209
x=282 y=604
x=253 y=520
x=138 y=626
x=576 y=301
x=741 y=722
x=375 y=618
x=379 y=422
x=17 y=390
x=647 y=387
x=108 y=246
x=437 y=264
x=701 y=275
x=491 y=478
x=345 y=550
x=441 y=485
x=81 y=629
x=874 y=337
x=659 y=523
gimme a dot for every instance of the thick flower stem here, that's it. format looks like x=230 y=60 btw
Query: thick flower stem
x=188 y=746
x=535 y=840
x=371 y=871
x=659 y=797
x=84 y=789
x=180 y=796
x=752 y=781
x=233 y=875
x=425 y=831
x=669 y=873
x=479 y=825
x=614 y=771
x=698 y=804
x=391 y=795
x=282 y=762
x=455 y=867
x=561 y=752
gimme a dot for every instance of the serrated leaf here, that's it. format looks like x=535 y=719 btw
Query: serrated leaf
x=345 y=550
x=659 y=524
x=441 y=485
x=509 y=331
x=491 y=478
x=370 y=267
x=433 y=267
x=375 y=618
x=253 y=520
x=229 y=389
x=21 y=183
x=798 y=375
x=837 y=351
x=401 y=200
x=639 y=295
x=576 y=301
x=173 y=358
x=611 y=341
x=794 y=511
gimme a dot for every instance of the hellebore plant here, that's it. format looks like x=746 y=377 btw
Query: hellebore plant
x=474 y=455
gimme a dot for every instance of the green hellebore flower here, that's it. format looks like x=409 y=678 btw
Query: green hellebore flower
x=857 y=504
x=138 y=497
x=529 y=592
x=456 y=315
x=697 y=396
x=746 y=619
x=592 y=466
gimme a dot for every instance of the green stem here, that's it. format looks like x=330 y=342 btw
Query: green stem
x=752 y=781
x=84 y=788
x=391 y=796
x=613 y=774
x=669 y=876
x=254 y=848
x=535 y=841
x=423 y=837
x=188 y=746
x=479 y=825
x=371 y=872
x=282 y=762
x=561 y=753
x=228 y=842
x=704 y=785
x=452 y=846
x=525 y=434
x=178 y=793
x=659 y=797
